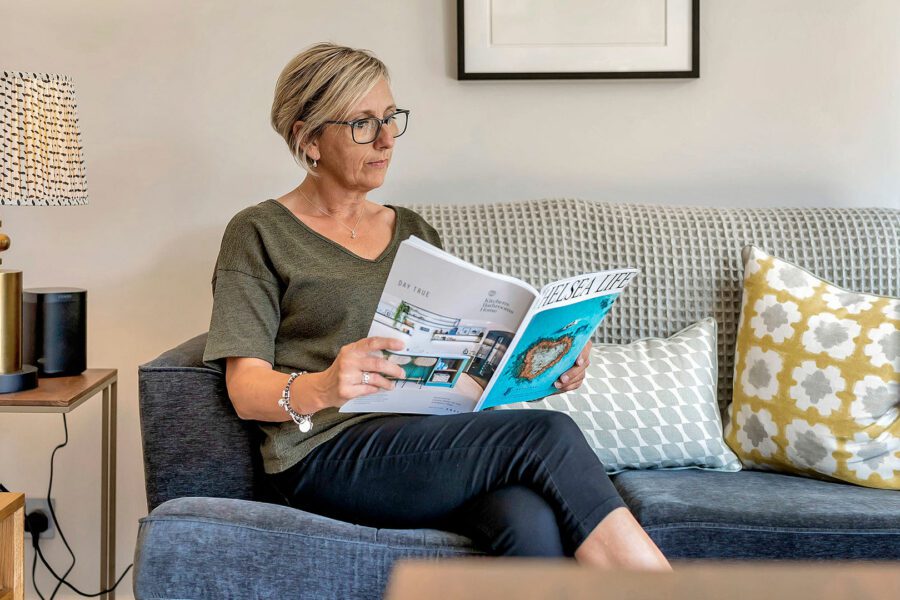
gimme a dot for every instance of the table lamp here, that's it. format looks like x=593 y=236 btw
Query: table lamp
x=40 y=165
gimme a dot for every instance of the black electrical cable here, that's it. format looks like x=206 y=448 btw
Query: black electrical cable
x=33 y=579
x=53 y=512
x=36 y=540
x=55 y=521
x=75 y=589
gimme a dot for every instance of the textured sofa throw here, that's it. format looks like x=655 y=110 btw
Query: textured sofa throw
x=817 y=377
x=650 y=404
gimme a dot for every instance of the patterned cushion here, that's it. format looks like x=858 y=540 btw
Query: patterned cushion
x=651 y=404
x=817 y=377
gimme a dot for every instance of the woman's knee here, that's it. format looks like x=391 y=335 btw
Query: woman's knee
x=550 y=425
x=559 y=422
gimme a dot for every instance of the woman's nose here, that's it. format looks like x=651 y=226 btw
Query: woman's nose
x=384 y=139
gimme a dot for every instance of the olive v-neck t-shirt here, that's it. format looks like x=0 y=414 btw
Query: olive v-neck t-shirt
x=288 y=295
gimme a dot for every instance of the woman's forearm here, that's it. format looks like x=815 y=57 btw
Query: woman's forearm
x=255 y=392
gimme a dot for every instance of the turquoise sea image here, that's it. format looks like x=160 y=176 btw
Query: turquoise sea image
x=546 y=350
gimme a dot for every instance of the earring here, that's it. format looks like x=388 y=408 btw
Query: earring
x=315 y=163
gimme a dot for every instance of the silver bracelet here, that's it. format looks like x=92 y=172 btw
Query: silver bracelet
x=304 y=422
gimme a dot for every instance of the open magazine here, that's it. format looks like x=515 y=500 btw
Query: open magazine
x=476 y=339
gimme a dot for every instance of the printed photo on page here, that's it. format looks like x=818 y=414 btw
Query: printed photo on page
x=456 y=321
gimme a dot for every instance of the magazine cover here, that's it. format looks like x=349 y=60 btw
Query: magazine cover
x=553 y=334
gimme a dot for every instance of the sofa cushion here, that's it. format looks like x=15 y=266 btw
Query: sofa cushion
x=650 y=404
x=228 y=548
x=817 y=377
x=753 y=514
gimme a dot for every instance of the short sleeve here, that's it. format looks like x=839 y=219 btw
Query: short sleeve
x=246 y=299
x=436 y=238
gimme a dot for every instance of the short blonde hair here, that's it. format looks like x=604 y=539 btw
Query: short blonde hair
x=320 y=84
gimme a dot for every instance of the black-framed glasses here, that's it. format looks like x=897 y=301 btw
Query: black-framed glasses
x=367 y=130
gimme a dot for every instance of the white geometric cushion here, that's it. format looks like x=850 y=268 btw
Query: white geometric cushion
x=651 y=404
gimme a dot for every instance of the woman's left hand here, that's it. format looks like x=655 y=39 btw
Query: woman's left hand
x=573 y=378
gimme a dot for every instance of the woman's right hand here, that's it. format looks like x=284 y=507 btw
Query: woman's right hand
x=342 y=381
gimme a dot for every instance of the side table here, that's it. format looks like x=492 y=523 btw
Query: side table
x=12 y=546
x=65 y=394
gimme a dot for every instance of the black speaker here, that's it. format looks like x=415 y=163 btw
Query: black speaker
x=54 y=328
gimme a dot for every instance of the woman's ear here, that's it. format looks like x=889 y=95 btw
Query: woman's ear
x=296 y=128
x=312 y=148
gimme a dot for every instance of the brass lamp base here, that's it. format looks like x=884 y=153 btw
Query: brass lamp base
x=25 y=379
x=14 y=376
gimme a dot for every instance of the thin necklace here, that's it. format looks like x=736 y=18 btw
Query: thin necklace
x=352 y=231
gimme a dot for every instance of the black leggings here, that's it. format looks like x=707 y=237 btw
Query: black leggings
x=516 y=482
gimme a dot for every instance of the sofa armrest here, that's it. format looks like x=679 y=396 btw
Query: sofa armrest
x=224 y=548
x=193 y=441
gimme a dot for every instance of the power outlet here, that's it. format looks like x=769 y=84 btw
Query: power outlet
x=32 y=504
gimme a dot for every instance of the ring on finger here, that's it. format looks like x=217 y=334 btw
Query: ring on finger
x=365 y=378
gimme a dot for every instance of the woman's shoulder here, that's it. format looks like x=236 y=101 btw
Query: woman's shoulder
x=255 y=222
x=254 y=215
x=410 y=216
x=416 y=224
x=248 y=230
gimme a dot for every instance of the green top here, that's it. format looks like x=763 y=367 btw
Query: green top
x=286 y=294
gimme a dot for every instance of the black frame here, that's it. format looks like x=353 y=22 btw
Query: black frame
x=381 y=123
x=693 y=73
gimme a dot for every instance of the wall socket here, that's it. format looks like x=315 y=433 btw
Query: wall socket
x=32 y=504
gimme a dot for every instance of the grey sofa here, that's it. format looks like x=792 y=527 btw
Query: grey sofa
x=215 y=531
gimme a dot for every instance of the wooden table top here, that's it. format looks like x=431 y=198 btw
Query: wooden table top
x=10 y=502
x=59 y=394
x=533 y=579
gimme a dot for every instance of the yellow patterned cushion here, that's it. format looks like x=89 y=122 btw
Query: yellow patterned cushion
x=816 y=377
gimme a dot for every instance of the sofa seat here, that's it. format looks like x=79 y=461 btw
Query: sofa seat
x=261 y=550
x=762 y=515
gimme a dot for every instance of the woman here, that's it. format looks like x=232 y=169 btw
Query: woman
x=296 y=283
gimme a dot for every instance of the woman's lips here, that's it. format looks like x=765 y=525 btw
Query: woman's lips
x=378 y=164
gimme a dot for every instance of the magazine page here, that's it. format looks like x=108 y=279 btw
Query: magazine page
x=553 y=334
x=456 y=320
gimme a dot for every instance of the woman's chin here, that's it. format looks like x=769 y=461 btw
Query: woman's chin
x=375 y=180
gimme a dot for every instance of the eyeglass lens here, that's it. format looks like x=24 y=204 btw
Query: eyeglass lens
x=366 y=130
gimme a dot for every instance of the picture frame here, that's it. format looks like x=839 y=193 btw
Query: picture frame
x=578 y=39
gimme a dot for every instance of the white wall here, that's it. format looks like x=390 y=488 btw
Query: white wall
x=797 y=104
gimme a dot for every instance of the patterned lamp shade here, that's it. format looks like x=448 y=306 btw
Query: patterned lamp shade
x=40 y=148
